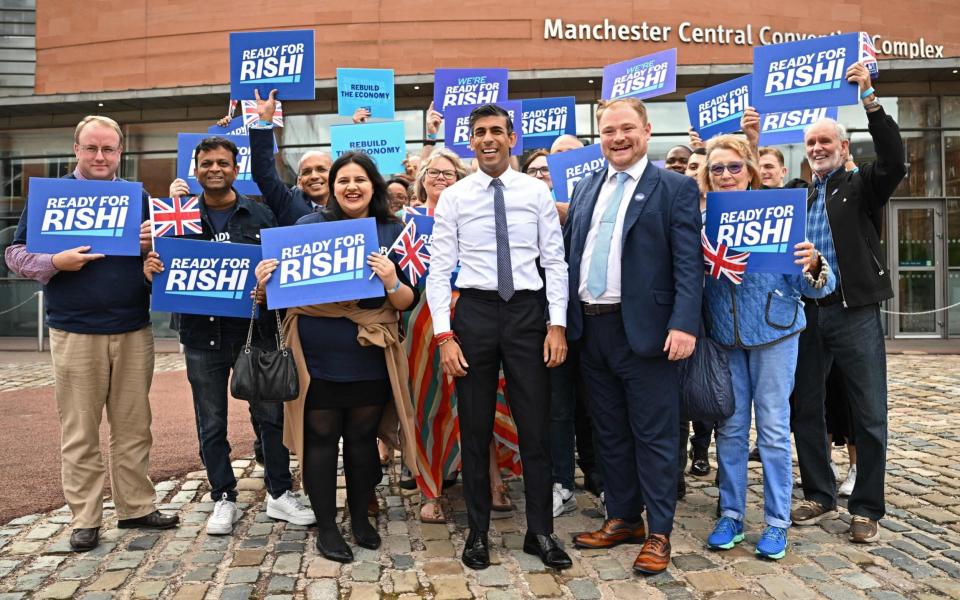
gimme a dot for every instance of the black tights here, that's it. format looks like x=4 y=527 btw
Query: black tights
x=323 y=428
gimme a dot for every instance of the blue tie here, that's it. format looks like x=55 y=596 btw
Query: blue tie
x=504 y=268
x=597 y=277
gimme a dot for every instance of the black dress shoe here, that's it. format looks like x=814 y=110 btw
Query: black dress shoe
x=155 y=520
x=366 y=536
x=476 y=552
x=547 y=548
x=700 y=465
x=331 y=546
x=85 y=538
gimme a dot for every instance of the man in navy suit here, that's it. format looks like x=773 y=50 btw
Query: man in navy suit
x=633 y=237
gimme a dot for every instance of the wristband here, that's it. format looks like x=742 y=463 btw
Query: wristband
x=867 y=93
x=872 y=105
x=394 y=289
x=264 y=124
x=431 y=136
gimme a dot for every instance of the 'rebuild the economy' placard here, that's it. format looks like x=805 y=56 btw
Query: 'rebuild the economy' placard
x=204 y=278
x=644 y=77
x=267 y=60
x=765 y=223
x=384 y=142
x=806 y=74
x=66 y=213
x=371 y=89
x=718 y=108
x=321 y=262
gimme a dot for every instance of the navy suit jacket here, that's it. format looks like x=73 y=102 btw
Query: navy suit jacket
x=661 y=263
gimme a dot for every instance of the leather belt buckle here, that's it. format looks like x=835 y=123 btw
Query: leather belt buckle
x=599 y=309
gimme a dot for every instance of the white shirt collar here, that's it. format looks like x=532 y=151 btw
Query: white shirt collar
x=635 y=171
x=506 y=177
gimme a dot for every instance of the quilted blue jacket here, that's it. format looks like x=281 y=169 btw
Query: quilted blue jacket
x=762 y=310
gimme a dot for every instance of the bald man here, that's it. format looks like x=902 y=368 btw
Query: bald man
x=565 y=142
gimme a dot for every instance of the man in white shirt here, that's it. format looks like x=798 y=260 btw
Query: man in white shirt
x=636 y=267
x=498 y=223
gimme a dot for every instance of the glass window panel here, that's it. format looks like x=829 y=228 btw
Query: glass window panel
x=668 y=117
x=584 y=120
x=413 y=126
x=923 y=157
x=21 y=322
x=953 y=265
x=951 y=111
x=917 y=294
x=155 y=171
x=951 y=155
x=152 y=137
x=854 y=117
x=37 y=142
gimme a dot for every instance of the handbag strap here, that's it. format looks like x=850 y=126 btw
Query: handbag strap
x=253 y=318
x=283 y=342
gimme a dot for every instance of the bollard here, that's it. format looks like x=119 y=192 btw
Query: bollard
x=40 y=321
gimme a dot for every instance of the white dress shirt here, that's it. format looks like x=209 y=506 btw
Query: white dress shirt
x=612 y=294
x=464 y=230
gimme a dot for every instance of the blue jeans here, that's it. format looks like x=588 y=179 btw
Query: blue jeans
x=209 y=374
x=762 y=379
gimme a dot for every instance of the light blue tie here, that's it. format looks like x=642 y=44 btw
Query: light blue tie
x=597 y=277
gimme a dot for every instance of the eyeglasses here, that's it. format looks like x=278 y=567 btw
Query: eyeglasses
x=435 y=173
x=107 y=151
x=538 y=171
x=717 y=169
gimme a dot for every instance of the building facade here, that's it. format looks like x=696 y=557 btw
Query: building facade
x=162 y=68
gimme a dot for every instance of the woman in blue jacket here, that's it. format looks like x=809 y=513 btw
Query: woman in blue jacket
x=758 y=321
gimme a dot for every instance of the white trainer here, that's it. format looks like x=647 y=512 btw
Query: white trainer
x=563 y=500
x=288 y=507
x=224 y=515
x=836 y=471
x=846 y=488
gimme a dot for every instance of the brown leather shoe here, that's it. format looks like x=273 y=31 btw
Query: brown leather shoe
x=613 y=533
x=654 y=557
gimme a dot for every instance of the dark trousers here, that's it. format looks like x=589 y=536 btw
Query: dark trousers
x=492 y=332
x=209 y=374
x=569 y=420
x=852 y=338
x=635 y=407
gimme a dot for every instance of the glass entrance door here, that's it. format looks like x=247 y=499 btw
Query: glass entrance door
x=918 y=268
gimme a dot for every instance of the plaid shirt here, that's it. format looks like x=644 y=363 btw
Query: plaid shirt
x=818 y=226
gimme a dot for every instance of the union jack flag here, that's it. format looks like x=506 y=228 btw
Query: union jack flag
x=251 y=116
x=175 y=216
x=414 y=254
x=719 y=261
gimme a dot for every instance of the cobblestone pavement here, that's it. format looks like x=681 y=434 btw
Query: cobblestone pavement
x=918 y=555
x=23 y=376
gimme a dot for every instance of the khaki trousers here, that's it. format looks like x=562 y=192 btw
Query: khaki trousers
x=92 y=372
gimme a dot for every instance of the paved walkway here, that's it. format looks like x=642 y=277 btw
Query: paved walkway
x=918 y=556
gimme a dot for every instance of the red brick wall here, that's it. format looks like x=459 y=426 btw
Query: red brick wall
x=139 y=44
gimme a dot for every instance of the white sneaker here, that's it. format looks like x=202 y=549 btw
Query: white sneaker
x=224 y=515
x=846 y=488
x=836 y=471
x=563 y=500
x=288 y=507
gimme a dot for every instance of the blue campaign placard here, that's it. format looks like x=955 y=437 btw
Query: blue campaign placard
x=644 y=77
x=567 y=168
x=546 y=119
x=321 y=262
x=456 y=87
x=765 y=223
x=787 y=127
x=718 y=108
x=384 y=142
x=205 y=278
x=456 y=127
x=236 y=126
x=66 y=213
x=806 y=74
x=371 y=89
x=267 y=60
x=187 y=143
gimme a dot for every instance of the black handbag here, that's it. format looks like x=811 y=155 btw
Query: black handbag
x=706 y=389
x=265 y=375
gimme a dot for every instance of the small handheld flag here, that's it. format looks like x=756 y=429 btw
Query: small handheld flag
x=720 y=261
x=175 y=216
x=413 y=253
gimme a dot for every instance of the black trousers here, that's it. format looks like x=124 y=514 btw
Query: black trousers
x=493 y=332
x=851 y=338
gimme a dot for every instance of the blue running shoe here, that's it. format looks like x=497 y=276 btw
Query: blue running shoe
x=726 y=534
x=773 y=543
